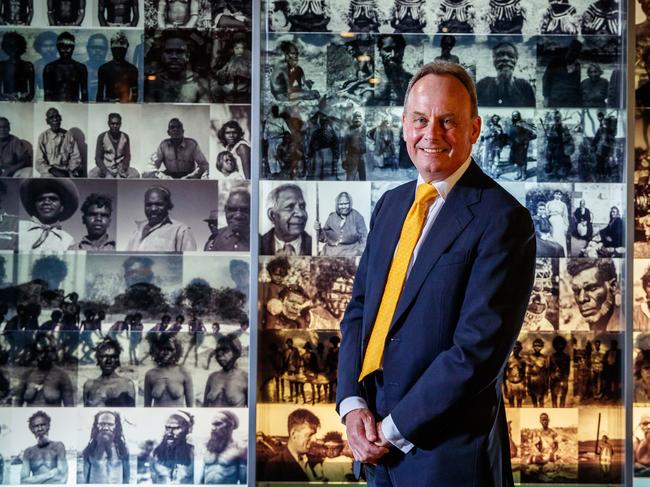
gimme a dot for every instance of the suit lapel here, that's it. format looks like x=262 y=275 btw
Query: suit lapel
x=454 y=216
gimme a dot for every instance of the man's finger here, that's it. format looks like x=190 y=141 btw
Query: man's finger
x=371 y=428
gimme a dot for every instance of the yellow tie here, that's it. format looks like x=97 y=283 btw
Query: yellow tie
x=408 y=238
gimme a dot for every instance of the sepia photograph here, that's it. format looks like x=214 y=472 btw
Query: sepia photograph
x=601 y=445
x=542 y=313
x=640 y=439
x=641 y=367
x=598 y=372
x=641 y=295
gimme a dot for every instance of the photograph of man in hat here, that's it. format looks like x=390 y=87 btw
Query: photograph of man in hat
x=48 y=202
x=57 y=153
x=235 y=236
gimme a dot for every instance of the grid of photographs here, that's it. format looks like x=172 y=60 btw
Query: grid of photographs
x=551 y=96
x=125 y=168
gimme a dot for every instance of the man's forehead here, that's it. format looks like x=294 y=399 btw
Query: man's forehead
x=430 y=86
x=290 y=193
x=586 y=275
x=106 y=418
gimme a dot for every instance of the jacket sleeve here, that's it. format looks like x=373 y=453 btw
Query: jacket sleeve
x=490 y=319
x=352 y=328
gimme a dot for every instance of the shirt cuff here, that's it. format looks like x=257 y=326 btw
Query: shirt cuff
x=393 y=435
x=350 y=404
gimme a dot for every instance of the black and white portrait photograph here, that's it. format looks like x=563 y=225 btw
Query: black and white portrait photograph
x=296 y=66
x=115 y=144
x=303 y=293
x=550 y=207
x=9 y=209
x=230 y=67
x=386 y=156
x=598 y=368
x=549 y=445
x=123 y=282
x=590 y=294
x=505 y=72
x=16 y=12
x=16 y=148
x=177 y=142
x=597 y=228
x=173 y=14
x=286 y=227
x=351 y=67
x=601 y=445
x=117 y=79
x=298 y=366
x=452 y=48
x=221 y=446
x=43 y=444
x=7 y=278
x=104 y=455
x=18 y=81
x=229 y=221
x=119 y=13
x=641 y=295
x=542 y=313
x=560 y=132
x=65 y=79
x=342 y=218
x=316 y=434
x=61 y=146
x=167 y=220
x=507 y=147
x=67 y=13
x=177 y=64
x=230 y=132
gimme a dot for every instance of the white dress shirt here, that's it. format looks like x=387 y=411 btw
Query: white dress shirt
x=351 y=403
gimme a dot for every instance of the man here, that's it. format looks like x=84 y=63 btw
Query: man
x=353 y=153
x=57 y=153
x=65 y=79
x=113 y=152
x=291 y=463
x=333 y=283
x=323 y=150
x=288 y=80
x=225 y=459
x=174 y=81
x=436 y=384
x=66 y=12
x=391 y=91
x=173 y=14
x=289 y=311
x=336 y=466
x=45 y=46
x=559 y=148
x=514 y=383
x=45 y=462
x=561 y=79
x=181 y=156
x=15 y=154
x=8 y=223
x=344 y=232
x=173 y=458
x=109 y=389
x=520 y=134
x=595 y=288
x=97 y=48
x=17 y=80
x=545 y=443
x=118 y=13
x=49 y=202
x=16 y=12
x=106 y=456
x=235 y=236
x=227 y=387
x=159 y=233
x=288 y=213
x=505 y=89
x=117 y=80
x=96 y=216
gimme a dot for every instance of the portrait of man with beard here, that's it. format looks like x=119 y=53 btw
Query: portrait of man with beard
x=173 y=458
x=106 y=456
x=225 y=459
x=45 y=462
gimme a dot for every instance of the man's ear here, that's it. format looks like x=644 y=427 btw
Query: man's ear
x=270 y=213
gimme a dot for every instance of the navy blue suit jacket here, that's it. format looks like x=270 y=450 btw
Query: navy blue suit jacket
x=456 y=321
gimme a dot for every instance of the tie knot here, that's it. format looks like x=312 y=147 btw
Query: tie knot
x=426 y=193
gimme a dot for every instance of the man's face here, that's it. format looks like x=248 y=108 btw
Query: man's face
x=106 y=427
x=220 y=428
x=293 y=304
x=289 y=215
x=108 y=360
x=54 y=120
x=65 y=48
x=119 y=52
x=156 y=207
x=516 y=116
x=504 y=58
x=97 y=219
x=537 y=347
x=5 y=129
x=541 y=210
x=213 y=225
x=593 y=73
x=238 y=210
x=231 y=135
x=391 y=55
x=48 y=49
x=40 y=427
x=175 y=130
x=97 y=50
x=114 y=125
x=48 y=207
x=438 y=129
x=175 y=432
x=238 y=49
x=300 y=437
x=357 y=120
x=557 y=118
x=594 y=297
x=291 y=56
x=543 y=419
x=175 y=55
x=343 y=205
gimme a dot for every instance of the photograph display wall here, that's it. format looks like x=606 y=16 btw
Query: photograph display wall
x=551 y=94
x=125 y=167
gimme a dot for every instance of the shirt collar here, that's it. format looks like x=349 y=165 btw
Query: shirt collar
x=445 y=186
x=100 y=242
x=279 y=244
